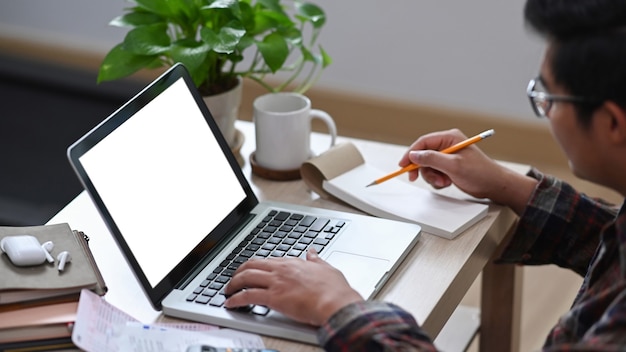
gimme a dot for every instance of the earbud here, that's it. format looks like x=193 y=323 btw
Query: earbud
x=63 y=257
x=47 y=248
x=2 y=242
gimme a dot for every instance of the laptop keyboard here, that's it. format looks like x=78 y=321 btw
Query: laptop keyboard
x=279 y=234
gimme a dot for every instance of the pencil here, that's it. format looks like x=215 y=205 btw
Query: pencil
x=453 y=149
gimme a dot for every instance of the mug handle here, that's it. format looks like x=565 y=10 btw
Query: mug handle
x=330 y=123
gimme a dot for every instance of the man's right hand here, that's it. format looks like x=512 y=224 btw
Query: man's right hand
x=309 y=291
x=469 y=169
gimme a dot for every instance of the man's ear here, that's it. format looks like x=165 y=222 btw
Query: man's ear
x=615 y=123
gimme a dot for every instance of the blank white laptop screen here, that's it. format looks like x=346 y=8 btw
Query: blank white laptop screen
x=173 y=172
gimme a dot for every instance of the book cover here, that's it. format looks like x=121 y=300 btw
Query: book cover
x=36 y=284
x=38 y=323
x=64 y=344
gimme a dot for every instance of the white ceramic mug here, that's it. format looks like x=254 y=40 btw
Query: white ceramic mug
x=282 y=124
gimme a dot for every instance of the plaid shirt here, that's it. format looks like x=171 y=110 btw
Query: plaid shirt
x=559 y=226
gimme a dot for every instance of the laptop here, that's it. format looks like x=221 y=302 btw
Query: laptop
x=177 y=203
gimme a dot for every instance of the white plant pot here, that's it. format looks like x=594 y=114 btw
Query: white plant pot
x=225 y=110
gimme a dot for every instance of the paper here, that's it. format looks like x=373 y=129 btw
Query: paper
x=397 y=200
x=156 y=338
x=102 y=327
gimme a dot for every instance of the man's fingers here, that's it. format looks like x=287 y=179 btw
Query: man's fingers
x=246 y=297
x=256 y=263
x=312 y=255
x=268 y=264
x=249 y=278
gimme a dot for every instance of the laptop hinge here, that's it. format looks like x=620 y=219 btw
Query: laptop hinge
x=218 y=249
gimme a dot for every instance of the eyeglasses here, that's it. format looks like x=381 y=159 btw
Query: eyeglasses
x=541 y=102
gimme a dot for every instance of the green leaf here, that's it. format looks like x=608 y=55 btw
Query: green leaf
x=119 y=63
x=184 y=12
x=261 y=23
x=274 y=50
x=307 y=55
x=147 y=40
x=193 y=55
x=245 y=42
x=159 y=7
x=311 y=13
x=222 y=11
x=279 y=18
x=272 y=5
x=265 y=20
x=326 y=59
x=245 y=15
x=226 y=40
x=222 y=4
x=136 y=19
x=293 y=35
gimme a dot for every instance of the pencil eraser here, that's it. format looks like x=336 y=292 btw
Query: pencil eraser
x=23 y=250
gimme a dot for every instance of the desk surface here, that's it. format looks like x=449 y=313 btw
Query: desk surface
x=430 y=282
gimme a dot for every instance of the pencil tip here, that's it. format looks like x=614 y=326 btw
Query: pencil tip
x=371 y=184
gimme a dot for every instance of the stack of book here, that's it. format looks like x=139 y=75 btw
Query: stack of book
x=38 y=303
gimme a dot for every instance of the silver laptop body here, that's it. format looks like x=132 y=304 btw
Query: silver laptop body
x=179 y=207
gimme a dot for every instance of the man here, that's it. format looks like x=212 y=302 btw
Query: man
x=581 y=90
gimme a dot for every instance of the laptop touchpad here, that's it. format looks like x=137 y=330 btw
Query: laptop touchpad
x=362 y=273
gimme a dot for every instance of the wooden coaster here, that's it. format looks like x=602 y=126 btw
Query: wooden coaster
x=276 y=175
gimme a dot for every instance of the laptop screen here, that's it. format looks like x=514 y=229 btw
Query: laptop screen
x=164 y=179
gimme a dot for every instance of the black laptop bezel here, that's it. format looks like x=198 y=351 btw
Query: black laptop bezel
x=213 y=239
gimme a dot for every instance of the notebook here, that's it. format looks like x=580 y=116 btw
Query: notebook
x=177 y=203
x=330 y=175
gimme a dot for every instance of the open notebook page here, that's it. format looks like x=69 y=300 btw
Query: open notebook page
x=395 y=199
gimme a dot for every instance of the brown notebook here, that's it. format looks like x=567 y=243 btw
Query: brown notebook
x=44 y=283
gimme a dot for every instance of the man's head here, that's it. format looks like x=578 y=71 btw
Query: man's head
x=584 y=81
x=587 y=48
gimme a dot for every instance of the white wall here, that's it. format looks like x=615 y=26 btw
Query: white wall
x=463 y=54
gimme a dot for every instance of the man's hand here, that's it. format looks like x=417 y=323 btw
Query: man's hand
x=309 y=291
x=469 y=169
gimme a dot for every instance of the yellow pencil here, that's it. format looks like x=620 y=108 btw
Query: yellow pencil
x=453 y=149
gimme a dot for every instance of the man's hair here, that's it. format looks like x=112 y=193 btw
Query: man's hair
x=588 y=47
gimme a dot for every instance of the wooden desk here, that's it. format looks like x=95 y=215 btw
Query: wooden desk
x=430 y=283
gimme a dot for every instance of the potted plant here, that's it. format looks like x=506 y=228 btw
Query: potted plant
x=220 y=42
